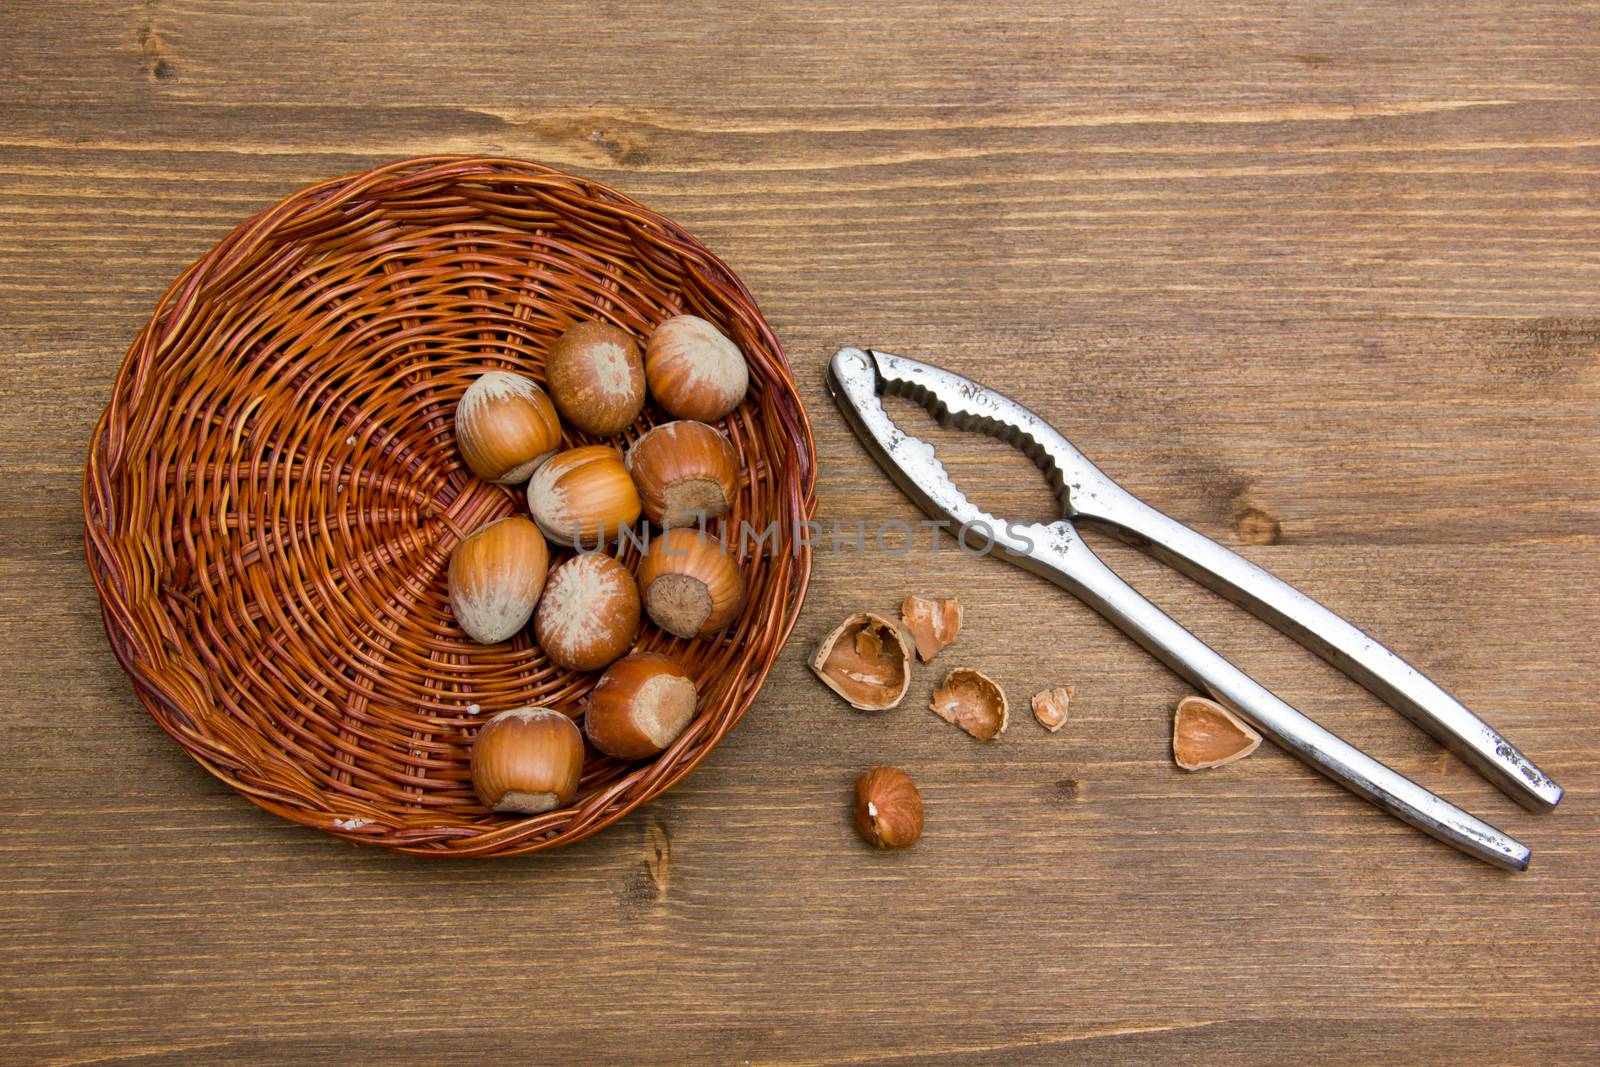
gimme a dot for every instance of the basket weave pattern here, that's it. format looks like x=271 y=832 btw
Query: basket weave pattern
x=273 y=493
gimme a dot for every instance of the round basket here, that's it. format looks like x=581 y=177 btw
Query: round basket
x=273 y=492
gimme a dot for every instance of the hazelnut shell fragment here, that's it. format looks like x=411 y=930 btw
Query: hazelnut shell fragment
x=1050 y=707
x=933 y=623
x=867 y=660
x=888 y=808
x=1205 y=734
x=971 y=700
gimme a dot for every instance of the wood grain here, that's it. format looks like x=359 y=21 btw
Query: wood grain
x=1318 y=279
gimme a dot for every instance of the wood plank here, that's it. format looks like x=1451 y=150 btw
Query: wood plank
x=1318 y=280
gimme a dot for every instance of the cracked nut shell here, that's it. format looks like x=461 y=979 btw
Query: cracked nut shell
x=888 y=808
x=1050 y=706
x=1205 y=734
x=867 y=660
x=933 y=623
x=971 y=700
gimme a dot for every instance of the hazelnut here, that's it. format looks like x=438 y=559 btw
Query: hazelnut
x=888 y=808
x=1205 y=734
x=527 y=761
x=867 y=660
x=496 y=576
x=1050 y=707
x=505 y=427
x=582 y=496
x=589 y=614
x=691 y=586
x=933 y=623
x=596 y=377
x=694 y=371
x=684 y=471
x=971 y=700
x=639 y=706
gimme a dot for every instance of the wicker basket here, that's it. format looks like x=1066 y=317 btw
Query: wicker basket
x=274 y=490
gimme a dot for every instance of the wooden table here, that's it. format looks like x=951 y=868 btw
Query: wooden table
x=1320 y=279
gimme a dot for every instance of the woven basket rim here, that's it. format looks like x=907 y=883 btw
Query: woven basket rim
x=214 y=270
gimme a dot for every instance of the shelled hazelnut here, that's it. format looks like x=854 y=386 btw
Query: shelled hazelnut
x=888 y=808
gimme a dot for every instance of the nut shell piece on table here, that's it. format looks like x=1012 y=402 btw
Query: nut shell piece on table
x=866 y=659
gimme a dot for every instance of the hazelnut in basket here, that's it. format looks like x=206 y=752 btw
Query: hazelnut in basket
x=694 y=371
x=505 y=427
x=596 y=378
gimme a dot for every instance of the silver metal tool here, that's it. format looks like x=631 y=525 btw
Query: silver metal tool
x=858 y=377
